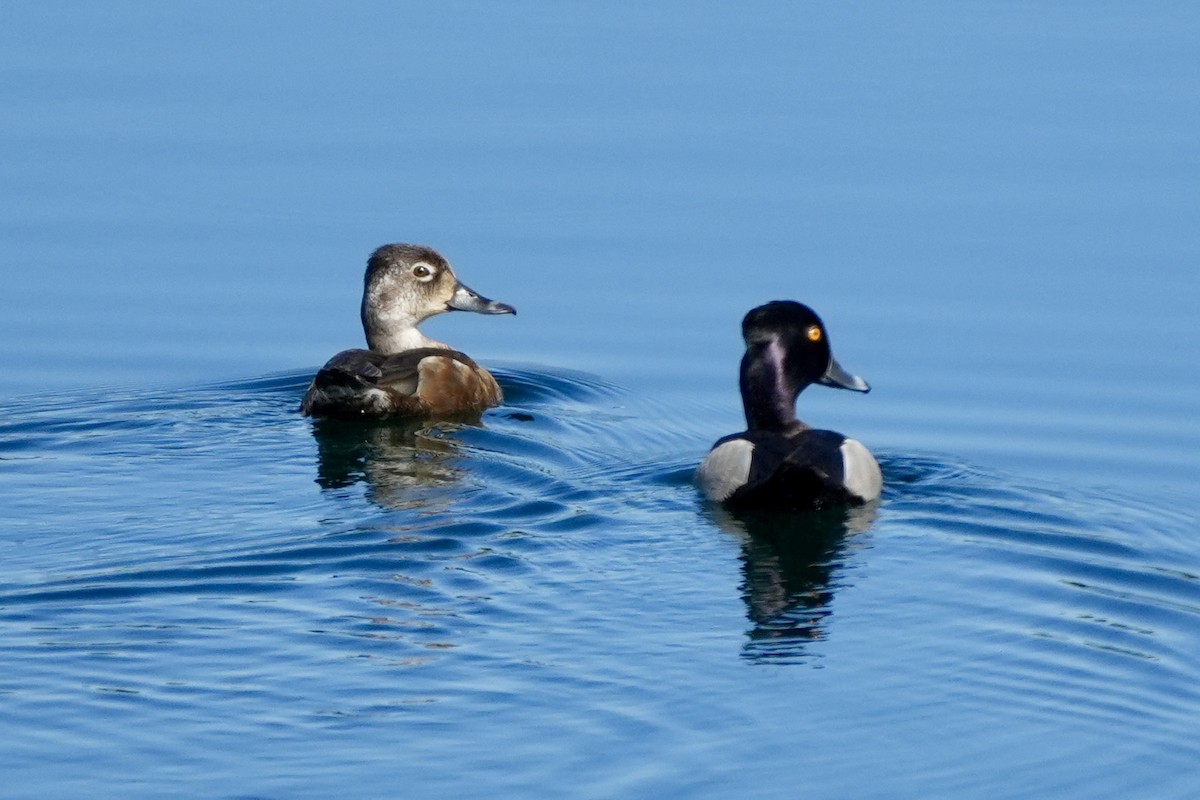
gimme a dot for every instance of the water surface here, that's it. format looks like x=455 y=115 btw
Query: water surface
x=992 y=206
x=445 y=609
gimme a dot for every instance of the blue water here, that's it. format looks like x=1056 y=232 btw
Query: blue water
x=205 y=594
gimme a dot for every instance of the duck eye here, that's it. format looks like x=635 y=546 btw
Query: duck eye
x=422 y=271
x=814 y=333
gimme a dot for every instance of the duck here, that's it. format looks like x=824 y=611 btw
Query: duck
x=778 y=462
x=403 y=373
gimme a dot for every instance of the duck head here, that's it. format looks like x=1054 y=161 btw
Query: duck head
x=787 y=349
x=405 y=285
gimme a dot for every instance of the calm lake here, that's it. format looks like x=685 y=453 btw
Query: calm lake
x=994 y=207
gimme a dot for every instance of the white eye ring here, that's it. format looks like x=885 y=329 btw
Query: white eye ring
x=422 y=272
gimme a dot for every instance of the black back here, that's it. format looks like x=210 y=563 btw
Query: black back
x=801 y=471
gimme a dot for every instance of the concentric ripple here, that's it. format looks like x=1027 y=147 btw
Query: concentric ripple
x=207 y=562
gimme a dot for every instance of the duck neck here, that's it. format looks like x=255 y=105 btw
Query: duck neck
x=394 y=333
x=768 y=394
x=393 y=342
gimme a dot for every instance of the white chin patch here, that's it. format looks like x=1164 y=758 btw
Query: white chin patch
x=725 y=468
x=861 y=470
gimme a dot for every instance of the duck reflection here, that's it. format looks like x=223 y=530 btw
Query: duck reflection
x=396 y=461
x=790 y=563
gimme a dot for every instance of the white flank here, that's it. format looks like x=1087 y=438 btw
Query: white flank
x=725 y=468
x=863 y=477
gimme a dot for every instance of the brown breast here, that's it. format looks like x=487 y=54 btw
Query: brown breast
x=450 y=385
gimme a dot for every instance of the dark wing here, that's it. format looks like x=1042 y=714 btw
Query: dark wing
x=401 y=372
x=351 y=367
x=362 y=383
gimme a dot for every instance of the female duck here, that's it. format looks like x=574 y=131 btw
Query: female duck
x=404 y=373
x=779 y=462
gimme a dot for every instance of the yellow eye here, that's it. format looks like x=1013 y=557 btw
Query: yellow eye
x=814 y=333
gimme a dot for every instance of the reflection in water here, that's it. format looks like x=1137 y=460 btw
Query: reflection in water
x=789 y=563
x=395 y=460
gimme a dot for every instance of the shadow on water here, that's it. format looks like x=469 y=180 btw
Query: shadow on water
x=547 y=426
x=511 y=545
x=394 y=460
x=790 y=565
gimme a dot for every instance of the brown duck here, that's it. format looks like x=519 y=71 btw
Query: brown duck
x=404 y=373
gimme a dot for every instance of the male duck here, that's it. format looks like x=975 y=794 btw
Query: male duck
x=779 y=462
x=404 y=373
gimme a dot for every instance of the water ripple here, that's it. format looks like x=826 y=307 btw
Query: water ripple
x=558 y=546
x=1078 y=608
